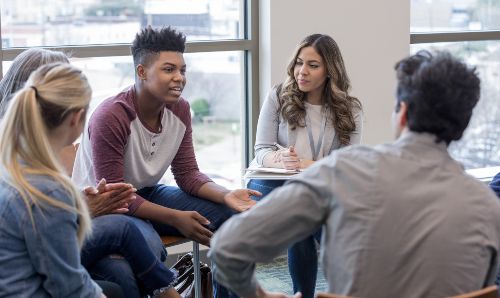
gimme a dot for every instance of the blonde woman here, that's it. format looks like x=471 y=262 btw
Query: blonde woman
x=44 y=219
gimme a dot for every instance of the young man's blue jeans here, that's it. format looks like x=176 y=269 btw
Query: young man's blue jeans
x=175 y=198
x=302 y=256
x=138 y=243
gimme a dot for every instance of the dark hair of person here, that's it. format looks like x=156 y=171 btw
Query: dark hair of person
x=336 y=99
x=20 y=70
x=440 y=92
x=149 y=42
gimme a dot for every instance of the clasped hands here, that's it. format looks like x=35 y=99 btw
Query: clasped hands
x=109 y=198
x=288 y=158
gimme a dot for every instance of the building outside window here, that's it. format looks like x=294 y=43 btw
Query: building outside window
x=222 y=43
x=468 y=29
x=97 y=34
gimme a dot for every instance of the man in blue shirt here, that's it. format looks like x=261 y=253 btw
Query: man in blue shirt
x=495 y=184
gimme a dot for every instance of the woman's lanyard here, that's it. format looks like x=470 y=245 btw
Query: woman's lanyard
x=315 y=149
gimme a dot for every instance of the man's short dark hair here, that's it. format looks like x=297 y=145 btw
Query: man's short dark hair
x=149 y=42
x=440 y=92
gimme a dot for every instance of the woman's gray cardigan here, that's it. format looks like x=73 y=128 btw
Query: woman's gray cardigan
x=272 y=128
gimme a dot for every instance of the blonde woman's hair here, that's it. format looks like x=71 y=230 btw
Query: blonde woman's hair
x=51 y=94
x=336 y=98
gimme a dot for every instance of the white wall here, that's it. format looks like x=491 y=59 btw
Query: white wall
x=372 y=36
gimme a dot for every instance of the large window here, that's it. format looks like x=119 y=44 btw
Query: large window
x=454 y=15
x=221 y=58
x=467 y=28
x=27 y=23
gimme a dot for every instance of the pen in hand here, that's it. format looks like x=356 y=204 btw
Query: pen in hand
x=291 y=148
x=279 y=146
x=289 y=160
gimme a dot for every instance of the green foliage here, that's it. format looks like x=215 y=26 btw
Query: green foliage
x=488 y=3
x=200 y=107
x=115 y=8
x=470 y=49
x=208 y=134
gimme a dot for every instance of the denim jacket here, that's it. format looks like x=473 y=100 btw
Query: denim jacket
x=40 y=261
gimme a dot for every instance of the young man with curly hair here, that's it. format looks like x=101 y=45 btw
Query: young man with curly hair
x=400 y=219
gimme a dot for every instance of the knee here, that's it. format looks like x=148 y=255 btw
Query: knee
x=227 y=212
x=114 y=224
x=223 y=214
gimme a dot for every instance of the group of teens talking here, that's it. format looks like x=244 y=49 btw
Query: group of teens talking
x=400 y=219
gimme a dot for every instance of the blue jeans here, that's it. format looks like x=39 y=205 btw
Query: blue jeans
x=110 y=289
x=116 y=269
x=175 y=198
x=120 y=234
x=302 y=256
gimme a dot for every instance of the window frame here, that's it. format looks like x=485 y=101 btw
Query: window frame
x=434 y=37
x=455 y=36
x=248 y=44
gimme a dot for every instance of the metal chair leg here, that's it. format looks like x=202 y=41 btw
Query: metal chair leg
x=197 y=277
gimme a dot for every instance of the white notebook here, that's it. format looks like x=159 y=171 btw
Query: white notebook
x=255 y=167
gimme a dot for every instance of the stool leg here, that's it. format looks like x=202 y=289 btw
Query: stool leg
x=197 y=277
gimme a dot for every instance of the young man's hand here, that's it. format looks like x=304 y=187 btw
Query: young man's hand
x=109 y=198
x=190 y=224
x=240 y=199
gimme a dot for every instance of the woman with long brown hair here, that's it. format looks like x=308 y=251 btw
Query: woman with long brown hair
x=304 y=119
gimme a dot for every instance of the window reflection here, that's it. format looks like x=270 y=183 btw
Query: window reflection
x=27 y=23
x=480 y=145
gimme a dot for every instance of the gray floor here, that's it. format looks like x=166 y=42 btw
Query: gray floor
x=274 y=276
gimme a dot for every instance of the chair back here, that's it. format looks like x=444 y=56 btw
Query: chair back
x=329 y=295
x=489 y=292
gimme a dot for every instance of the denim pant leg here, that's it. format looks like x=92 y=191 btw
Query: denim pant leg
x=110 y=289
x=303 y=265
x=302 y=256
x=263 y=186
x=152 y=238
x=120 y=234
x=173 y=197
x=116 y=270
